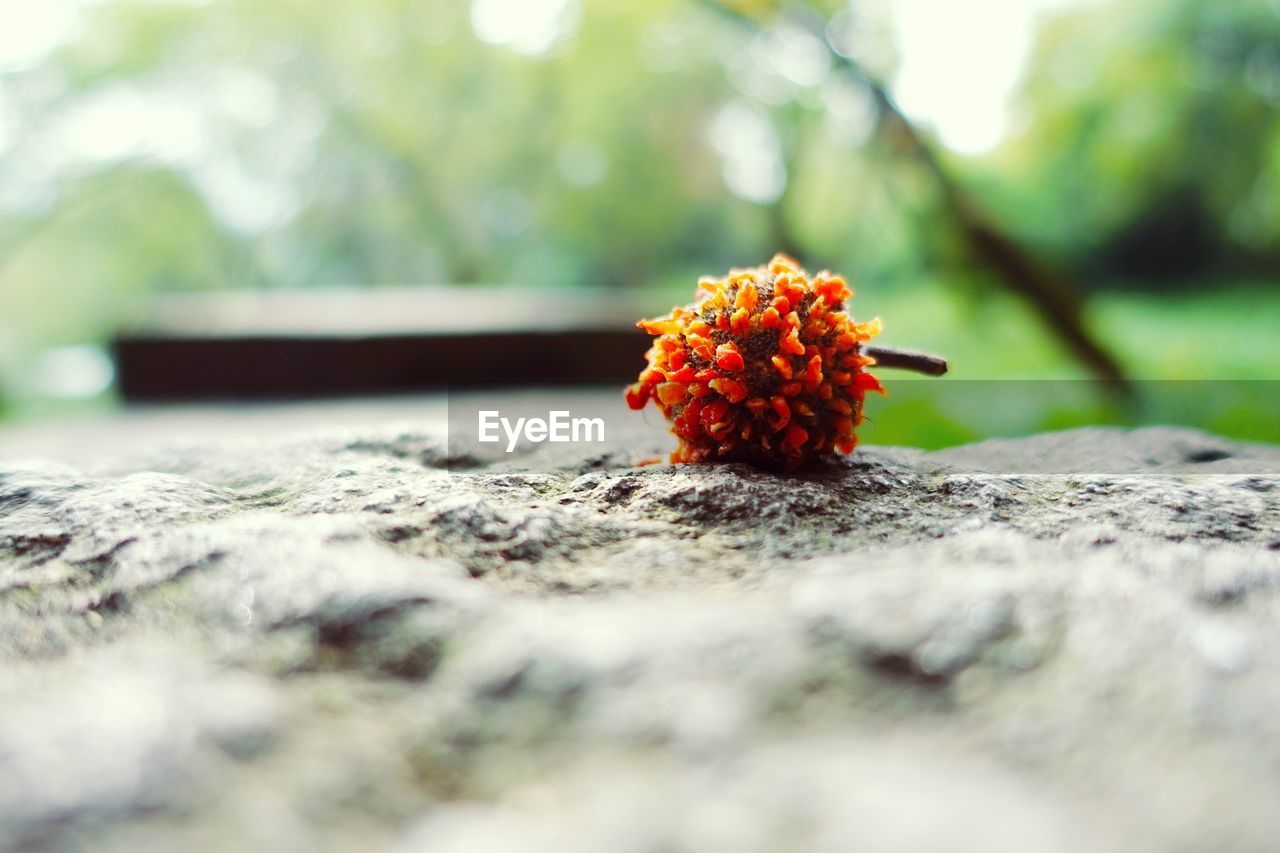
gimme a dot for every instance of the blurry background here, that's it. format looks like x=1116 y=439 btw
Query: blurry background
x=1062 y=189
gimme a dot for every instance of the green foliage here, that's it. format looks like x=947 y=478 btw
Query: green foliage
x=1152 y=140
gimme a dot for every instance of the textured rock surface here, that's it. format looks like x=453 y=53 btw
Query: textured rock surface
x=339 y=641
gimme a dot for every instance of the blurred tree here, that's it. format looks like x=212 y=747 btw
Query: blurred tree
x=262 y=143
x=267 y=143
x=986 y=243
x=1151 y=147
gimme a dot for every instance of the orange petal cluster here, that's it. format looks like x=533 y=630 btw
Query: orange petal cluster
x=766 y=366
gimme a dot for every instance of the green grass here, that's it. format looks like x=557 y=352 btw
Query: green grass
x=1219 y=333
x=1227 y=332
x=1208 y=359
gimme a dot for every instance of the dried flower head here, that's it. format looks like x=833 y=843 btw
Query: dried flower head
x=765 y=366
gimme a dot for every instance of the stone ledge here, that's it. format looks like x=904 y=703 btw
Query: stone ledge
x=334 y=641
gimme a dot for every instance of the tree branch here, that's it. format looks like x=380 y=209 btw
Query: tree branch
x=1049 y=293
x=907 y=359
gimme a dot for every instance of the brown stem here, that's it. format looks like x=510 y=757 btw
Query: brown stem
x=908 y=359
